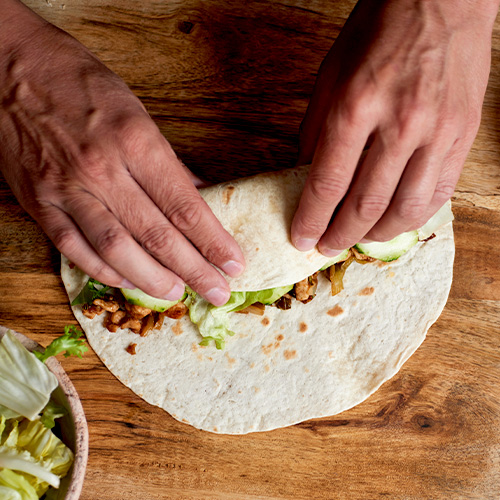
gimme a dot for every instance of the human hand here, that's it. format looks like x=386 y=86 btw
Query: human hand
x=84 y=158
x=407 y=79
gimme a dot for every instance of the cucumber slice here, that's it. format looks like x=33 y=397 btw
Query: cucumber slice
x=337 y=258
x=439 y=219
x=389 y=250
x=138 y=298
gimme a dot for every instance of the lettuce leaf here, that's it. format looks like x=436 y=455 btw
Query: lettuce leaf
x=25 y=382
x=50 y=413
x=69 y=342
x=213 y=322
x=92 y=290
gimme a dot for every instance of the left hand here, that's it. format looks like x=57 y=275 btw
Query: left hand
x=406 y=78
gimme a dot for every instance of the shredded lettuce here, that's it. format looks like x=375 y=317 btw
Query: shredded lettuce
x=32 y=457
x=15 y=487
x=213 y=322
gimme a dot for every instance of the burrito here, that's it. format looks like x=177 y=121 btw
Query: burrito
x=318 y=336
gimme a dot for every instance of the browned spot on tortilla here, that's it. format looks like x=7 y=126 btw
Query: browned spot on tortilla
x=257 y=249
x=200 y=357
x=289 y=354
x=210 y=358
x=215 y=429
x=367 y=291
x=226 y=194
x=306 y=369
x=185 y=421
x=330 y=354
x=280 y=337
x=230 y=360
x=177 y=328
x=381 y=263
x=266 y=349
x=256 y=389
x=303 y=327
x=335 y=311
x=239 y=392
x=266 y=368
x=265 y=321
x=194 y=346
x=391 y=274
x=252 y=365
x=282 y=327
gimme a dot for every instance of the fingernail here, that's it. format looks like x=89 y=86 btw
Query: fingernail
x=305 y=244
x=217 y=296
x=365 y=240
x=232 y=268
x=330 y=252
x=176 y=293
x=127 y=284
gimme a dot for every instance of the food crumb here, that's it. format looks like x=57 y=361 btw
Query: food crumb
x=131 y=349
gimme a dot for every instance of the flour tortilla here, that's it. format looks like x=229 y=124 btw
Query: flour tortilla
x=317 y=359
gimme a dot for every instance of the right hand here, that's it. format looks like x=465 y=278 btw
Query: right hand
x=84 y=158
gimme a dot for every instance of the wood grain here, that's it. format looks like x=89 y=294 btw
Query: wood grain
x=228 y=84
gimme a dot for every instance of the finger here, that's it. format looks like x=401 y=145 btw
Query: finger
x=369 y=195
x=413 y=196
x=317 y=110
x=338 y=151
x=163 y=240
x=118 y=249
x=72 y=244
x=173 y=192
x=447 y=180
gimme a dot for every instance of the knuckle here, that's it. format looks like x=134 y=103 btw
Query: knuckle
x=358 y=101
x=135 y=136
x=186 y=215
x=93 y=164
x=410 y=122
x=66 y=240
x=369 y=207
x=158 y=240
x=411 y=209
x=311 y=226
x=327 y=188
x=109 y=240
x=444 y=190
x=216 y=251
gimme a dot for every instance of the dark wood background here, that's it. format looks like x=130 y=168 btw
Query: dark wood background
x=228 y=84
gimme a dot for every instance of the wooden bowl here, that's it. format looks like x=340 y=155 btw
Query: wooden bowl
x=73 y=427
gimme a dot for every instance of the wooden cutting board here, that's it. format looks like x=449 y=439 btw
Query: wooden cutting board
x=228 y=84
